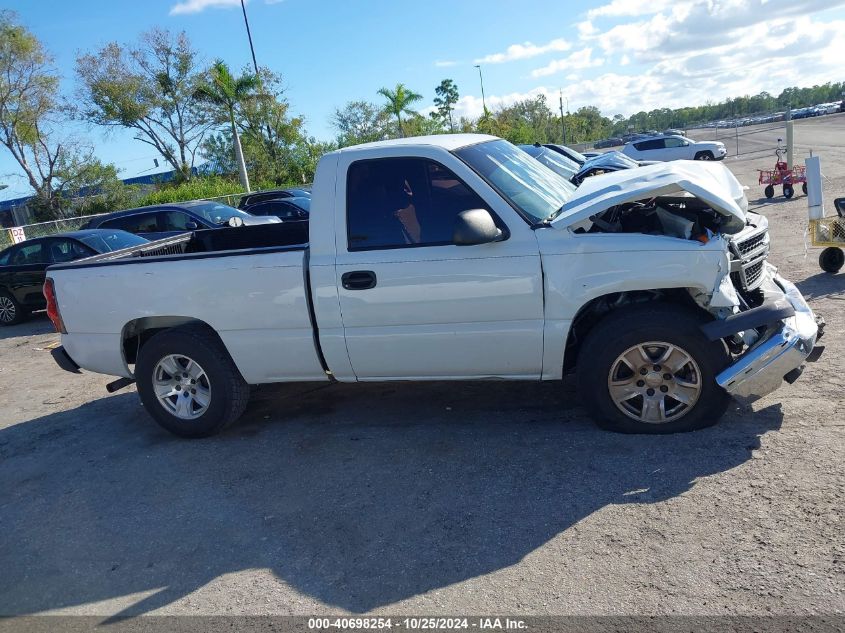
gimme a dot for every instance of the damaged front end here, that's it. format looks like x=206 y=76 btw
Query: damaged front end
x=762 y=318
x=770 y=342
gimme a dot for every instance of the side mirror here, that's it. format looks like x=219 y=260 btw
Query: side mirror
x=475 y=226
x=192 y=226
x=839 y=203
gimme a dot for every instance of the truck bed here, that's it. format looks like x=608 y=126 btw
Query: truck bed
x=246 y=283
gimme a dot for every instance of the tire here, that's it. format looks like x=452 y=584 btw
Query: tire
x=706 y=155
x=831 y=259
x=769 y=192
x=660 y=329
x=11 y=312
x=788 y=191
x=219 y=393
x=804 y=188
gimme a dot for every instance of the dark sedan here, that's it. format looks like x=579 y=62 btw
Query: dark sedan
x=251 y=199
x=286 y=209
x=165 y=220
x=23 y=266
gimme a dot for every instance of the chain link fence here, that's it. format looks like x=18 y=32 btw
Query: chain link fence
x=41 y=229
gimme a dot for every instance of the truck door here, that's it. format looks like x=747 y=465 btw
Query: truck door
x=414 y=304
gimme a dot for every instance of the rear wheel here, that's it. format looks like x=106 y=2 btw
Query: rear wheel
x=769 y=191
x=804 y=188
x=832 y=259
x=188 y=382
x=650 y=369
x=11 y=312
x=704 y=156
x=788 y=191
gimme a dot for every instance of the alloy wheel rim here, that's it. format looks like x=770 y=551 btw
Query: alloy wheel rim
x=181 y=386
x=7 y=310
x=654 y=382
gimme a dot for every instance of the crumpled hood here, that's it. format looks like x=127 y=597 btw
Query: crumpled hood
x=711 y=182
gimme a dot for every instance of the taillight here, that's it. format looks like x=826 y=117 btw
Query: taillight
x=53 y=306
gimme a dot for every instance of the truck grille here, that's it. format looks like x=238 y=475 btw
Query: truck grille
x=751 y=244
x=748 y=271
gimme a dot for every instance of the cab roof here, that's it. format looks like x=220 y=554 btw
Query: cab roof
x=449 y=142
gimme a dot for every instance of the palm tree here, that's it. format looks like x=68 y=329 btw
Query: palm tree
x=226 y=91
x=399 y=101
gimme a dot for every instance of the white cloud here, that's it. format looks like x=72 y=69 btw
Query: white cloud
x=195 y=6
x=620 y=8
x=445 y=63
x=525 y=51
x=576 y=61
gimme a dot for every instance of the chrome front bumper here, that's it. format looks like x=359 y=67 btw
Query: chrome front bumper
x=761 y=369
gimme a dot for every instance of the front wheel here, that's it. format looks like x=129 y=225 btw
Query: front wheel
x=649 y=369
x=769 y=192
x=704 y=156
x=788 y=191
x=188 y=382
x=832 y=259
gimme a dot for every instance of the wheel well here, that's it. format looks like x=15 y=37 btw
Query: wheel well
x=138 y=331
x=598 y=308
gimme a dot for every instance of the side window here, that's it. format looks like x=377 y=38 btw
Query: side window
x=403 y=202
x=655 y=143
x=64 y=250
x=175 y=221
x=138 y=223
x=5 y=256
x=674 y=142
x=28 y=254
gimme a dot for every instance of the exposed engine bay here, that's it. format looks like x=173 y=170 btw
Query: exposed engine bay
x=683 y=217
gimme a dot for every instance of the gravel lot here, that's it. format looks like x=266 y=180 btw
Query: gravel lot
x=432 y=498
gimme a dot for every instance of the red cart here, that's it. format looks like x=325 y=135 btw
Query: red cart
x=783 y=175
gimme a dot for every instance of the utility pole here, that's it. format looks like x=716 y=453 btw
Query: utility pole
x=249 y=36
x=562 y=121
x=481 y=79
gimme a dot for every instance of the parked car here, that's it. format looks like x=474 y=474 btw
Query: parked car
x=23 y=266
x=158 y=221
x=575 y=173
x=454 y=257
x=286 y=209
x=665 y=148
x=555 y=161
x=672 y=132
x=570 y=153
x=272 y=194
x=607 y=142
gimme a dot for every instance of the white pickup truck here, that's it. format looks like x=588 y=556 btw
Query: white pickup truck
x=454 y=257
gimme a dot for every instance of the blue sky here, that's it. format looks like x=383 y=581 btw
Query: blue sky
x=620 y=55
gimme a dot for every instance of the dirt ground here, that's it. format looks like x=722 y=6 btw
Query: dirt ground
x=432 y=498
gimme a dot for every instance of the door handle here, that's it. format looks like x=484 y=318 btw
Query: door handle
x=359 y=280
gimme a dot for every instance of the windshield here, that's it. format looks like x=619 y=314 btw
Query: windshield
x=106 y=241
x=216 y=213
x=532 y=189
x=558 y=163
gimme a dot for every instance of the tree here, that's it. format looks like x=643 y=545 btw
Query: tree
x=447 y=97
x=29 y=106
x=360 y=122
x=274 y=146
x=226 y=92
x=147 y=88
x=399 y=101
x=89 y=186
